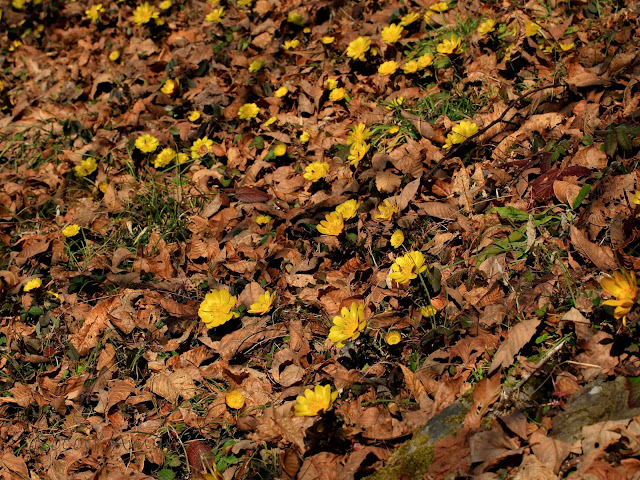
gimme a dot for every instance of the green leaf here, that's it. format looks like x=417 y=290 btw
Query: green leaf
x=610 y=144
x=174 y=130
x=582 y=194
x=623 y=139
x=512 y=213
x=36 y=311
x=166 y=474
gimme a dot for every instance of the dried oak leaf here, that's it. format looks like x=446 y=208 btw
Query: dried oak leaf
x=601 y=255
x=517 y=338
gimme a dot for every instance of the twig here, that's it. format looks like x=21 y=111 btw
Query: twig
x=539 y=365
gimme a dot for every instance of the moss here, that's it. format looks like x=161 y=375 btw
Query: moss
x=412 y=459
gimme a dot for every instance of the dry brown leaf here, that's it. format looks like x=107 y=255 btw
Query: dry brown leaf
x=519 y=335
x=413 y=384
x=387 y=182
x=601 y=255
x=566 y=192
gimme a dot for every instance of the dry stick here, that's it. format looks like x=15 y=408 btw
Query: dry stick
x=539 y=365
x=511 y=105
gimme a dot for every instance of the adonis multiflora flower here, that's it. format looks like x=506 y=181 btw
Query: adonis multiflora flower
x=624 y=287
x=216 y=307
x=358 y=48
x=144 y=13
x=333 y=224
x=407 y=267
x=263 y=304
x=348 y=325
x=315 y=171
x=314 y=402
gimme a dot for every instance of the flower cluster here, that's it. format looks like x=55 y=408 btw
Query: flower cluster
x=407 y=267
x=333 y=223
x=459 y=133
x=348 y=325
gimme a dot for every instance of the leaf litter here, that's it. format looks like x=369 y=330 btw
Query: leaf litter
x=154 y=155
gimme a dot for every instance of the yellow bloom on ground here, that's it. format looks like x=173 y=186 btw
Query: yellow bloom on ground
x=327 y=40
x=410 y=67
x=427 y=16
x=269 y=121
x=147 y=143
x=304 y=137
x=397 y=238
x=165 y=5
x=280 y=150
x=388 y=68
x=281 y=92
x=393 y=129
x=215 y=16
x=331 y=83
x=357 y=152
x=392 y=33
x=115 y=55
x=450 y=45
x=636 y=198
x=93 y=13
x=407 y=267
x=332 y=225
x=216 y=307
x=428 y=311
x=17 y=4
x=393 y=337
x=170 y=87
x=32 y=284
x=288 y=44
x=181 y=158
x=244 y=3
x=164 y=158
x=397 y=102
x=256 y=65
x=1 y=84
x=348 y=325
x=460 y=132
x=348 y=209
x=425 y=60
x=71 y=230
x=439 y=7
x=337 y=94
x=624 y=286
x=359 y=134
x=87 y=167
x=409 y=18
x=201 y=147
x=264 y=303
x=358 y=48
x=103 y=186
x=263 y=219
x=315 y=402
x=315 y=171
x=565 y=47
x=144 y=13
x=295 y=18
x=234 y=399
x=487 y=26
x=387 y=210
x=531 y=29
x=248 y=111
x=194 y=116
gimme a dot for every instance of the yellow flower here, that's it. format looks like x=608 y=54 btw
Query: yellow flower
x=17 y=4
x=256 y=65
x=215 y=16
x=15 y=44
x=450 y=45
x=327 y=40
x=331 y=83
x=388 y=68
x=460 y=132
x=393 y=337
x=216 y=307
x=396 y=102
x=201 y=147
x=165 y=5
x=295 y=43
x=425 y=60
x=160 y=21
x=357 y=152
x=407 y=267
x=428 y=311
x=181 y=158
x=234 y=399
x=169 y=87
x=359 y=134
x=103 y=186
x=392 y=33
x=244 y=3
x=147 y=143
x=194 y=116
x=269 y=121
x=409 y=18
x=565 y=47
x=304 y=137
x=636 y=198
x=315 y=402
x=410 y=67
x=87 y=167
x=427 y=16
x=358 y=47
x=71 y=230
x=531 y=29
x=306 y=30
x=248 y=111
x=439 y=7
x=487 y=26
x=263 y=219
x=397 y=238
x=337 y=94
x=348 y=325
x=348 y=209
x=115 y=55
x=281 y=92
x=316 y=170
x=280 y=150
x=624 y=286
x=295 y=18
x=393 y=129
x=333 y=224
x=32 y=284
x=164 y=158
x=1 y=84
x=144 y=13
x=387 y=210
x=94 y=12
x=264 y=303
